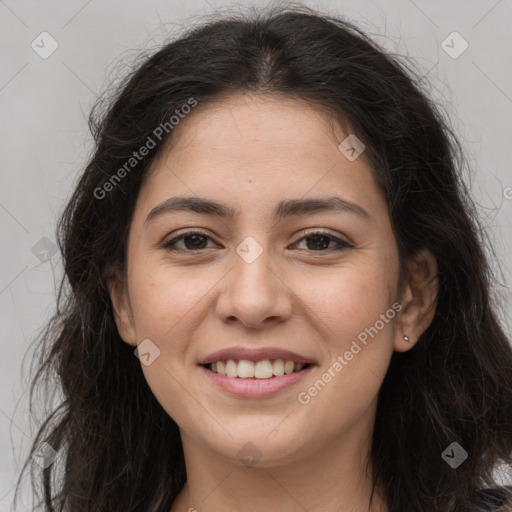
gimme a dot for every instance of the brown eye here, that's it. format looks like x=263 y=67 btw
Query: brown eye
x=193 y=241
x=320 y=241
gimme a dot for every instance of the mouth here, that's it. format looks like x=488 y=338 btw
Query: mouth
x=255 y=372
x=259 y=370
x=244 y=378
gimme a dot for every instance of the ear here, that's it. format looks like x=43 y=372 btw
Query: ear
x=123 y=313
x=419 y=299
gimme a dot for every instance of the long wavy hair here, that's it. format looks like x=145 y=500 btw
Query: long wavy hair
x=118 y=450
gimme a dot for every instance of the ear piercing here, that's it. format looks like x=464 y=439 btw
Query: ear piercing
x=406 y=338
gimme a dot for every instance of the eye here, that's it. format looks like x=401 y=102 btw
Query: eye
x=317 y=241
x=193 y=240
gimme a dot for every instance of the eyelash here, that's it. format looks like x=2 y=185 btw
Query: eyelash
x=171 y=244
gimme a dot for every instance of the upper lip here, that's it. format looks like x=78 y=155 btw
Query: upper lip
x=255 y=354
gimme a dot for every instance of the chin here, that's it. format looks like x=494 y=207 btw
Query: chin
x=257 y=448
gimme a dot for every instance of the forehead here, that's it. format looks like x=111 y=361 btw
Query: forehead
x=249 y=121
x=261 y=149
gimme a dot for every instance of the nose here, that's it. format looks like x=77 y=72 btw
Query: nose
x=255 y=294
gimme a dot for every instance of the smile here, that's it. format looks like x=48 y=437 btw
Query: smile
x=255 y=379
x=264 y=369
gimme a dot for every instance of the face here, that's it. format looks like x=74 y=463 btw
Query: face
x=268 y=277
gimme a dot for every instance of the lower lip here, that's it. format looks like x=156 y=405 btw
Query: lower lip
x=255 y=388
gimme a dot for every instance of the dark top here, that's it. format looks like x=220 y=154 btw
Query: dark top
x=495 y=500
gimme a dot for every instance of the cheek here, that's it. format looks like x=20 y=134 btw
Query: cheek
x=164 y=298
x=167 y=303
x=358 y=326
x=348 y=300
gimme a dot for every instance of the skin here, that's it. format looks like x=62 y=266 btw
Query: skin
x=294 y=295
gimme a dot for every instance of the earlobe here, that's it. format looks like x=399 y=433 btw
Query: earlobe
x=121 y=307
x=419 y=300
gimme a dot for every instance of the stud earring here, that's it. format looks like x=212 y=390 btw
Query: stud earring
x=406 y=338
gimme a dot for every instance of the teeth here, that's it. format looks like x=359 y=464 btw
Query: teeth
x=245 y=369
x=288 y=367
x=231 y=368
x=278 y=367
x=264 y=369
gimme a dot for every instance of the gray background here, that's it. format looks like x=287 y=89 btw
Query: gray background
x=45 y=142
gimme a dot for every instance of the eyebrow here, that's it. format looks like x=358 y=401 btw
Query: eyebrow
x=284 y=209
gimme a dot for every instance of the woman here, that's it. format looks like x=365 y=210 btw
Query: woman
x=278 y=297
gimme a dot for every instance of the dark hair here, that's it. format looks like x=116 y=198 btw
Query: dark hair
x=121 y=450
